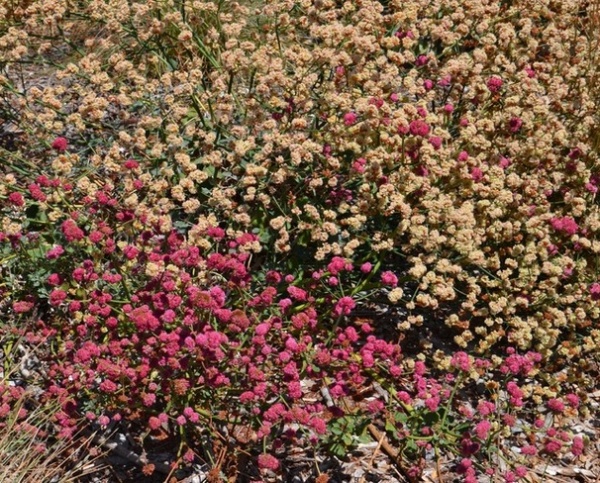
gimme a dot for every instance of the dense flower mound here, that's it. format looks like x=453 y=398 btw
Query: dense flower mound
x=203 y=199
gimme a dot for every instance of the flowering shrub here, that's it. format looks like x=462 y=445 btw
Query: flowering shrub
x=206 y=194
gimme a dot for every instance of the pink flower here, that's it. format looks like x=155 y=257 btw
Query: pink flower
x=421 y=60
x=54 y=279
x=461 y=361
x=268 y=462
x=154 y=423
x=521 y=472
x=337 y=265
x=552 y=446
x=16 y=199
x=485 y=407
x=103 y=420
x=504 y=162
x=21 y=307
x=595 y=291
x=556 y=405
x=463 y=156
x=566 y=224
x=428 y=84
x=262 y=329
x=388 y=278
x=432 y=403
x=436 y=142
x=515 y=123
x=375 y=406
x=294 y=390
x=359 y=165
x=494 y=84
x=57 y=297
x=108 y=386
x=344 y=306
x=419 y=128
x=482 y=429
x=60 y=144
x=71 y=231
x=577 y=446
x=529 y=450
x=55 y=252
x=573 y=399
x=350 y=118
x=297 y=293
x=476 y=174
x=131 y=164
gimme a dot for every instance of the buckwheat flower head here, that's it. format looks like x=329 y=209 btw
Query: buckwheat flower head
x=419 y=128
x=494 y=83
x=60 y=144
x=389 y=278
x=344 y=306
x=395 y=295
x=268 y=462
x=350 y=118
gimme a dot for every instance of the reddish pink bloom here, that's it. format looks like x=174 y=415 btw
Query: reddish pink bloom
x=268 y=462
x=60 y=144
x=566 y=224
x=556 y=405
x=350 y=118
x=154 y=423
x=428 y=84
x=419 y=128
x=461 y=361
x=319 y=425
x=36 y=192
x=529 y=450
x=55 y=252
x=131 y=164
x=21 y=307
x=482 y=429
x=436 y=142
x=421 y=60
x=595 y=291
x=463 y=156
x=108 y=386
x=388 y=278
x=577 y=446
x=432 y=403
x=344 y=306
x=476 y=174
x=366 y=267
x=103 y=420
x=375 y=406
x=57 y=297
x=294 y=390
x=494 y=84
x=573 y=400
x=54 y=279
x=297 y=293
x=337 y=265
x=359 y=165
x=16 y=199
x=514 y=125
x=71 y=231
x=552 y=446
